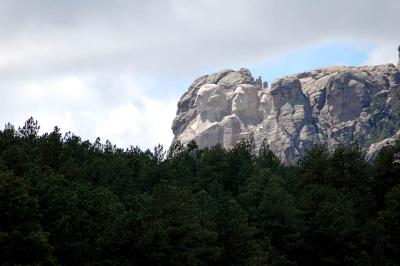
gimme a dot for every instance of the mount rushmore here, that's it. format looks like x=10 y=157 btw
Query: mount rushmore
x=330 y=106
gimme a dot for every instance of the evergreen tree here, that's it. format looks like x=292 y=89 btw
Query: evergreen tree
x=66 y=201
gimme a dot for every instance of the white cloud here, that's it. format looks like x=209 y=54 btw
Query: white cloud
x=384 y=53
x=74 y=104
x=166 y=38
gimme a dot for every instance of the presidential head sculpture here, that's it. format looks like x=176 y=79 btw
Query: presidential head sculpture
x=245 y=103
x=266 y=104
x=210 y=101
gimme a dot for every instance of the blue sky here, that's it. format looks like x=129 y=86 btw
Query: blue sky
x=285 y=63
x=290 y=62
x=300 y=60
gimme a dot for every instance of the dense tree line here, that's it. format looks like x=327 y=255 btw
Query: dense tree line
x=65 y=201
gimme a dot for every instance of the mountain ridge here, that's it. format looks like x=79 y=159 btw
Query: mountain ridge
x=331 y=106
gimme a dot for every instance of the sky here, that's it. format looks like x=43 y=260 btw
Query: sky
x=116 y=69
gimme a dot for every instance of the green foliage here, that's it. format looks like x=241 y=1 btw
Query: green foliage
x=64 y=201
x=30 y=130
x=22 y=239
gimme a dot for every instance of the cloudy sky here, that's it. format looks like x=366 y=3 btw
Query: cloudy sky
x=116 y=69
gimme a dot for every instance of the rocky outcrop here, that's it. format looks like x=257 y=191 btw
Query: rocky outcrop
x=374 y=149
x=335 y=105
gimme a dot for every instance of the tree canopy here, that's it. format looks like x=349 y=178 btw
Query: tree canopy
x=66 y=201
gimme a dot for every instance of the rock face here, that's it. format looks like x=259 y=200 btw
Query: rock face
x=331 y=106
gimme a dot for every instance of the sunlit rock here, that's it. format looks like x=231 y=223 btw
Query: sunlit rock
x=331 y=106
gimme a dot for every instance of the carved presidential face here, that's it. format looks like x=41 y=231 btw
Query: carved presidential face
x=245 y=101
x=240 y=100
x=265 y=104
x=210 y=98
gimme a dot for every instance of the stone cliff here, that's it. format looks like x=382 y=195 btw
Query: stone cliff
x=335 y=105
